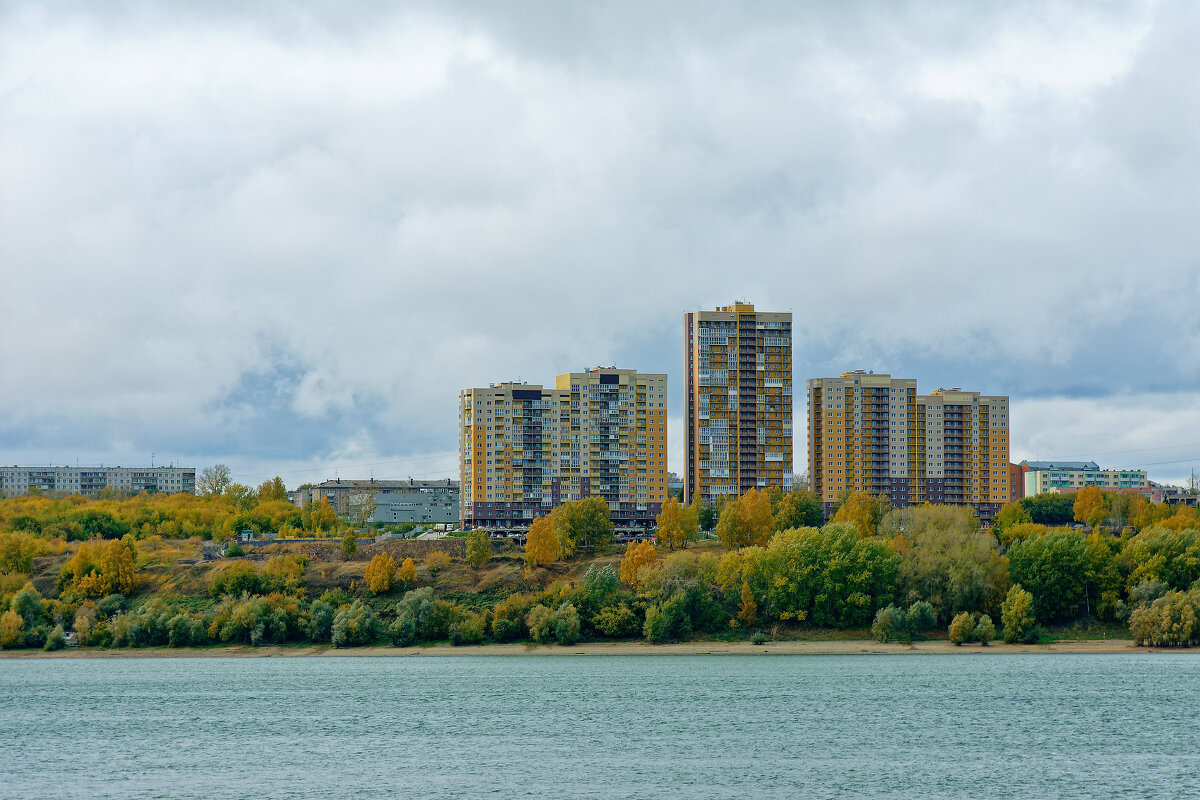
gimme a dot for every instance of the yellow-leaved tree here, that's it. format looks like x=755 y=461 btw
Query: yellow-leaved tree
x=408 y=572
x=637 y=555
x=670 y=524
x=541 y=543
x=747 y=608
x=380 y=573
x=757 y=519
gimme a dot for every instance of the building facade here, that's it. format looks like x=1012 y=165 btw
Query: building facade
x=92 y=480
x=873 y=433
x=1070 y=476
x=738 y=381
x=422 y=502
x=525 y=449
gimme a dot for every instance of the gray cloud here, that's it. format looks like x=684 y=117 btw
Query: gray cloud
x=285 y=237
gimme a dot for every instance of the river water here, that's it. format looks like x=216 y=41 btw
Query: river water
x=981 y=725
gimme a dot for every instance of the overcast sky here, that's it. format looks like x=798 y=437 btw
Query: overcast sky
x=283 y=239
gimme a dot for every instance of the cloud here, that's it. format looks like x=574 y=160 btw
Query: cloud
x=284 y=237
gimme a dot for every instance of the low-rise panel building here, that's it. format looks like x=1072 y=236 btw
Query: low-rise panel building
x=422 y=502
x=18 y=480
x=1071 y=476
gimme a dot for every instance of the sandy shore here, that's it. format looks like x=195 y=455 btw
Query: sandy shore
x=841 y=647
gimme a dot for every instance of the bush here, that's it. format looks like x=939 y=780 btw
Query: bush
x=888 y=624
x=354 y=625
x=234 y=550
x=985 y=631
x=668 y=621
x=418 y=604
x=1016 y=614
x=540 y=621
x=349 y=543
x=436 y=561
x=56 y=639
x=962 y=627
x=109 y=605
x=319 y=625
x=615 y=621
x=919 y=619
x=403 y=630
x=758 y=638
x=508 y=618
x=566 y=625
x=1172 y=620
x=238 y=577
x=469 y=630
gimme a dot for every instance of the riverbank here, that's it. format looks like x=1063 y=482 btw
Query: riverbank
x=815 y=648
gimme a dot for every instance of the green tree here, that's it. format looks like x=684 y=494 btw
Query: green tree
x=479 y=548
x=349 y=543
x=798 y=509
x=582 y=524
x=706 y=515
x=353 y=625
x=1011 y=514
x=1050 y=508
x=1017 y=616
x=1054 y=568
x=888 y=624
x=566 y=625
x=985 y=631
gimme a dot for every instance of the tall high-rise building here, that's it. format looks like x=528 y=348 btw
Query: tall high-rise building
x=738 y=364
x=874 y=433
x=525 y=449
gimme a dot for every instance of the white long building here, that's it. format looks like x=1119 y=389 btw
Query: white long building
x=16 y=480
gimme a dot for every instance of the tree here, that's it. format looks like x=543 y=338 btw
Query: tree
x=1011 y=514
x=582 y=524
x=272 y=491
x=670 y=524
x=353 y=625
x=756 y=517
x=479 y=548
x=730 y=528
x=706 y=515
x=116 y=568
x=747 y=608
x=213 y=480
x=985 y=631
x=962 y=627
x=323 y=516
x=541 y=543
x=362 y=508
x=380 y=573
x=1016 y=614
x=861 y=510
x=349 y=543
x=888 y=624
x=566 y=625
x=12 y=630
x=798 y=509
x=1054 y=567
x=637 y=555
x=407 y=573
x=1050 y=508
x=1091 y=506
x=690 y=521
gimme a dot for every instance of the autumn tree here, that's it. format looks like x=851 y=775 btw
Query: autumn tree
x=1091 y=506
x=1011 y=514
x=731 y=530
x=1016 y=614
x=690 y=521
x=407 y=574
x=541 y=543
x=323 y=516
x=213 y=480
x=985 y=631
x=380 y=573
x=670 y=524
x=583 y=524
x=862 y=510
x=962 y=627
x=756 y=517
x=637 y=555
x=479 y=548
x=747 y=608
x=12 y=630
x=272 y=491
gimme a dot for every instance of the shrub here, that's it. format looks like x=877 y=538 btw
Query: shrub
x=1172 y=620
x=109 y=605
x=283 y=573
x=436 y=561
x=407 y=573
x=469 y=630
x=354 y=625
x=919 y=619
x=508 y=618
x=380 y=574
x=600 y=582
x=403 y=630
x=668 y=621
x=758 y=638
x=985 y=631
x=419 y=605
x=540 y=621
x=238 y=577
x=962 y=627
x=888 y=624
x=566 y=625
x=319 y=625
x=615 y=621
x=1016 y=614
x=56 y=639
x=234 y=550
x=349 y=543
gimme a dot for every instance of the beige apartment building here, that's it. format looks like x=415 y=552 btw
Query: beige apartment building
x=525 y=449
x=738 y=380
x=873 y=433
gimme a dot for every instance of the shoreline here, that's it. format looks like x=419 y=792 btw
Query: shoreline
x=815 y=648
